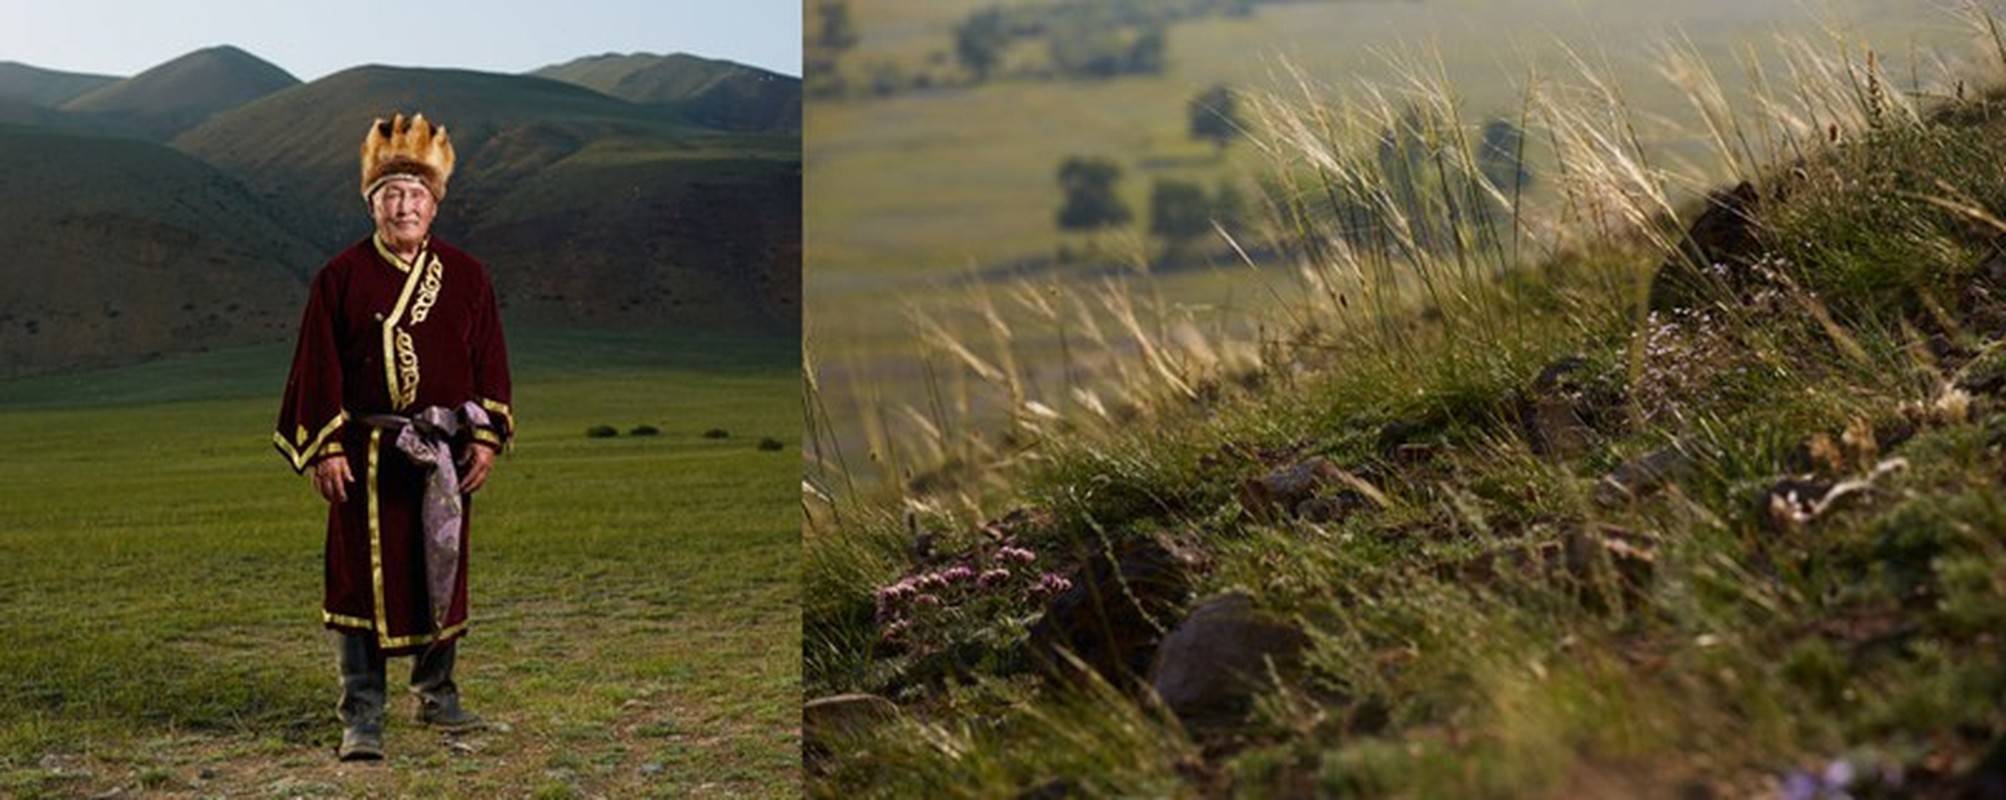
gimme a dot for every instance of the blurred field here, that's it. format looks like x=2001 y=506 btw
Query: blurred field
x=635 y=599
x=910 y=194
x=926 y=182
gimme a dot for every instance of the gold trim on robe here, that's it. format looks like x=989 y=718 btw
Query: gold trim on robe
x=399 y=359
x=507 y=414
x=376 y=535
x=382 y=623
x=428 y=290
x=305 y=450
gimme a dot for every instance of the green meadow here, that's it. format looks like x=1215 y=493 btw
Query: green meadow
x=635 y=598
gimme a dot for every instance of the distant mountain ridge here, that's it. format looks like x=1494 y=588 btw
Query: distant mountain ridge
x=718 y=93
x=182 y=93
x=45 y=87
x=591 y=211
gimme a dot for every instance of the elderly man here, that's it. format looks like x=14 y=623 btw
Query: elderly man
x=397 y=402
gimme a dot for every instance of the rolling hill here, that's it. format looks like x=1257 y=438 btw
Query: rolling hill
x=31 y=115
x=181 y=93
x=718 y=93
x=45 y=87
x=129 y=250
x=591 y=211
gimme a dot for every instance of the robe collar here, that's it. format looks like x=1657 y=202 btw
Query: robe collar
x=383 y=249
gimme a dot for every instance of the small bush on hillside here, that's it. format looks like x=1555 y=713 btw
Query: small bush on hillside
x=770 y=444
x=644 y=430
x=717 y=433
x=987 y=596
x=601 y=432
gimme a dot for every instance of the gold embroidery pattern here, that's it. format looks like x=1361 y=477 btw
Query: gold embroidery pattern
x=400 y=397
x=300 y=451
x=428 y=292
x=407 y=370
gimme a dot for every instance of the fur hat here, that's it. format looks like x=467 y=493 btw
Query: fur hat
x=417 y=148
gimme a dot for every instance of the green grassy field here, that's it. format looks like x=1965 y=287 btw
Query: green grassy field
x=635 y=599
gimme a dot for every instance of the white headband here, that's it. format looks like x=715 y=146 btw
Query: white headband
x=395 y=176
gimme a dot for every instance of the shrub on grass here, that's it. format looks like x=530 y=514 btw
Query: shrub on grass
x=717 y=433
x=601 y=432
x=644 y=430
x=770 y=444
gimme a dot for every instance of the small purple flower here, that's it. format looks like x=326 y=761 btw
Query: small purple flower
x=1054 y=583
x=932 y=580
x=926 y=601
x=992 y=578
x=1798 y=786
x=957 y=573
x=1017 y=554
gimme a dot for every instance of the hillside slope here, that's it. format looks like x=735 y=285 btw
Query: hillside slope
x=24 y=114
x=125 y=250
x=45 y=87
x=715 y=92
x=543 y=167
x=177 y=95
x=1507 y=530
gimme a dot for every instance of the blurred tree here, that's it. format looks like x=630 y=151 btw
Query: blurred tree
x=1215 y=116
x=1091 y=201
x=1178 y=210
x=1501 y=156
x=979 y=41
x=1145 y=54
x=838 y=32
x=1085 y=49
x=1229 y=206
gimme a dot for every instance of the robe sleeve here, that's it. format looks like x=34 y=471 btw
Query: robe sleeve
x=490 y=367
x=311 y=415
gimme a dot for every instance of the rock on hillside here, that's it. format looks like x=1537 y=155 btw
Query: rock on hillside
x=44 y=87
x=182 y=93
x=722 y=94
x=126 y=250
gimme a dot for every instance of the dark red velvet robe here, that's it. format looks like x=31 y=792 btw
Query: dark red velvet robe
x=381 y=336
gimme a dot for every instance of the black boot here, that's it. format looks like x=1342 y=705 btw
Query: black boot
x=362 y=697
x=438 y=696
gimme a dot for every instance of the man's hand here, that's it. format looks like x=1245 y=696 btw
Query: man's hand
x=480 y=458
x=331 y=478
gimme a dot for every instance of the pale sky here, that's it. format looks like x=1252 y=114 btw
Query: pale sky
x=314 y=38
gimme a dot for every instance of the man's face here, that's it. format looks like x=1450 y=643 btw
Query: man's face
x=403 y=211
